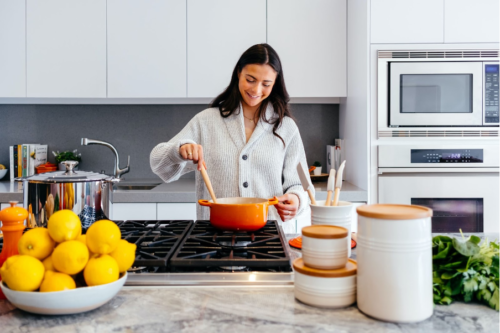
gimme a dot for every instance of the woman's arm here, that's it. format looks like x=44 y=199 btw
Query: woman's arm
x=166 y=160
x=291 y=181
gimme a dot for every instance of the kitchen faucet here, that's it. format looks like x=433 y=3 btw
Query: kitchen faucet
x=118 y=172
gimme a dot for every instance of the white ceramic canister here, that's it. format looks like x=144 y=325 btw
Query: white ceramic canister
x=340 y=215
x=394 y=254
x=334 y=288
x=323 y=246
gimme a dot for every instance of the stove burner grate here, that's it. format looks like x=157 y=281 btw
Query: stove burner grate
x=156 y=240
x=206 y=246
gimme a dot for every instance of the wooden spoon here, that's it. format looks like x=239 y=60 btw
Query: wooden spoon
x=204 y=174
x=338 y=184
x=330 y=187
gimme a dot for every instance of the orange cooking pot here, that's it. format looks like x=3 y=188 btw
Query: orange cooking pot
x=239 y=214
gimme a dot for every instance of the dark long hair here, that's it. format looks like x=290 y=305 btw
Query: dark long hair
x=229 y=100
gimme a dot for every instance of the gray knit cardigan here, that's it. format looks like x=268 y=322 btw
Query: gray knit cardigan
x=261 y=167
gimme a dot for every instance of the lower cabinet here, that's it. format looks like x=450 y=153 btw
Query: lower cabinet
x=176 y=211
x=133 y=211
x=153 y=211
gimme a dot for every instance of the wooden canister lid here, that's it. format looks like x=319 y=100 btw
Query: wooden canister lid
x=350 y=269
x=324 y=231
x=394 y=211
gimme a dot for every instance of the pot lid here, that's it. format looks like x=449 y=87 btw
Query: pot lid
x=324 y=231
x=68 y=176
x=350 y=269
x=394 y=211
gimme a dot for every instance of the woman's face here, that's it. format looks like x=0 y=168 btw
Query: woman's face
x=256 y=83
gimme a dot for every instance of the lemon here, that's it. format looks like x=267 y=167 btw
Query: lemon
x=36 y=243
x=2 y=167
x=48 y=264
x=64 y=225
x=124 y=254
x=22 y=272
x=70 y=257
x=57 y=282
x=83 y=239
x=103 y=237
x=101 y=270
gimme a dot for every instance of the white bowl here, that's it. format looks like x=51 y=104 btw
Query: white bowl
x=64 y=302
x=3 y=172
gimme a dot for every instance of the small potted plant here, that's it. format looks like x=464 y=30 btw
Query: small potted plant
x=67 y=156
x=317 y=171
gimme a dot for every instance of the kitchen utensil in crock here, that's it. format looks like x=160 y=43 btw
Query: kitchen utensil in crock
x=338 y=184
x=12 y=228
x=305 y=180
x=208 y=184
x=330 y=187
x=239 y=214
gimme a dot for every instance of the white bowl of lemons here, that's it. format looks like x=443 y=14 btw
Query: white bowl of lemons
x=64 y=302
x=60 y=271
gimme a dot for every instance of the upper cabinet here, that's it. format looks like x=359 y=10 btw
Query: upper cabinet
x=407 y=21
x=218 y=32
x=146 y=48
x=66 y=48
x=468 y=21
x=12 y=48
x=310 y=38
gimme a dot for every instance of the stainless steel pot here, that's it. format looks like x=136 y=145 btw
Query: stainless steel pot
x=87 y=194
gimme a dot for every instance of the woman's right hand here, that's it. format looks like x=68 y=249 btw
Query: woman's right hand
x=194 y=152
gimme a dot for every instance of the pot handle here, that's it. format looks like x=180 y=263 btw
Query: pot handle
x=205 y=203
x=273 y=201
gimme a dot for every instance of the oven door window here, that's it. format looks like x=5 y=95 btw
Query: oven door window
x=451 y=215
x=435 y=93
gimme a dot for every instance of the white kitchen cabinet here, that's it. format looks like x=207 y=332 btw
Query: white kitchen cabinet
x=133 y=211
x=176 y=211
x=407 y=21
x=12 y=48
x=218 y=32
x=66 y=48
x=146 y=48
x=471 y=21
x=310 y=38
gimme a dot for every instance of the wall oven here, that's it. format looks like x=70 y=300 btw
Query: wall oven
x=432 y=88
x=460 y=182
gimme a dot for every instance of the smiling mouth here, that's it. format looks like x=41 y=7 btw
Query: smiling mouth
x=253 y=97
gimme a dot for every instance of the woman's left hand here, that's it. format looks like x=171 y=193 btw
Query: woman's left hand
x=287 y=206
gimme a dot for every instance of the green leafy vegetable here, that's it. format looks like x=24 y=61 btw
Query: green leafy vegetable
x=465 y=270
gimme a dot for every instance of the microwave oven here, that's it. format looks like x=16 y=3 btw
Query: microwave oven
x=438 y=88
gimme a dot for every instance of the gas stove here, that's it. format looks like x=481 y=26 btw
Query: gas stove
x=193 y=253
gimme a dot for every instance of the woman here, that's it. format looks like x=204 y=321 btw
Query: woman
x=249 y=141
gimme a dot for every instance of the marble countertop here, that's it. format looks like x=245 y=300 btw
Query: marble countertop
x=237 y=309
x=182 y=190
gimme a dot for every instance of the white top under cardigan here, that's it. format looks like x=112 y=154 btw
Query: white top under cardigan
x=269 y=168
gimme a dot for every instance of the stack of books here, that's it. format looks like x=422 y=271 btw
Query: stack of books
x=25 y=158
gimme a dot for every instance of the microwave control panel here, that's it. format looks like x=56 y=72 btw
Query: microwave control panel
x=447 y=156
x=491 y=94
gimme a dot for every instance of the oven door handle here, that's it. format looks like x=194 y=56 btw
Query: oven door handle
x=429 y=170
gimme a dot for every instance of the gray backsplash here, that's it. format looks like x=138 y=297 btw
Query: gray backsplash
x=134 y=130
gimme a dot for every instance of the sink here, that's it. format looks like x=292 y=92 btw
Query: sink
x=134 y=187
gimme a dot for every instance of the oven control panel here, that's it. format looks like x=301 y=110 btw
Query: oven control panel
x=491 y=94
x=447 y=156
